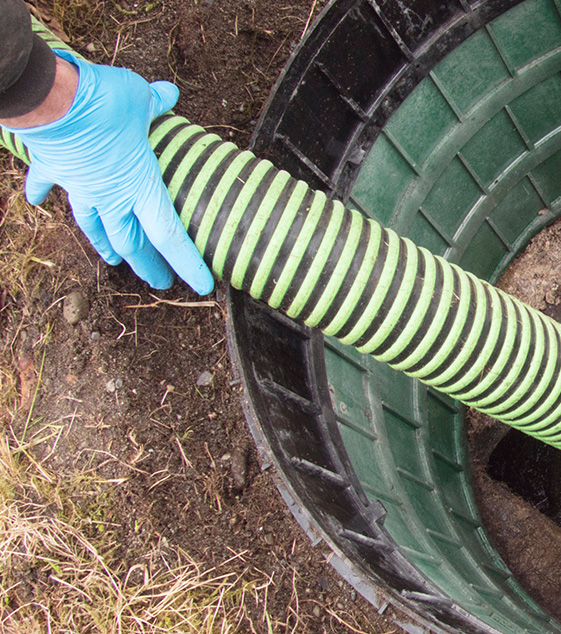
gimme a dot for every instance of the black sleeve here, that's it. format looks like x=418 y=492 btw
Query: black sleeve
x=27 y=64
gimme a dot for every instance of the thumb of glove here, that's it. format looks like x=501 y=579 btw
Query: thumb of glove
x=37 y=188
x=163 y=97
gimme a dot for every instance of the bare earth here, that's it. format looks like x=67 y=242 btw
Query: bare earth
x=141 y=389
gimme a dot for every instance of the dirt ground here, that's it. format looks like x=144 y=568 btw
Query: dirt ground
x=525 y=530
x=140 y=392
x=140 y=388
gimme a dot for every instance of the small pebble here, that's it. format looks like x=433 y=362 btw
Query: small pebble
x=316 y=611
x=75 y=307
x=114 y=384
x=95 y=335
x=239 y=467
x=205 y=379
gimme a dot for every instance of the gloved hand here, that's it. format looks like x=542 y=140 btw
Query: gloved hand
x=99 y=153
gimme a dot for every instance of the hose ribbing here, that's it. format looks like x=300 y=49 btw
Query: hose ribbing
x=310 y=257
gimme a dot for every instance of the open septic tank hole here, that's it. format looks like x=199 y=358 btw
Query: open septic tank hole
x=519 y=497
x=444 y=124
x=517 y=478
x=531 y=469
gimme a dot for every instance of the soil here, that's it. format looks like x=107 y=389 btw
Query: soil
x=521 y=525
x=142 y=381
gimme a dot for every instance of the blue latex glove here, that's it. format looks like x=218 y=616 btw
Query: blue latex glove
x=99 y=153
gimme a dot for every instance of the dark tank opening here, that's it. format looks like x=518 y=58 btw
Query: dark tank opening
x=531 y=469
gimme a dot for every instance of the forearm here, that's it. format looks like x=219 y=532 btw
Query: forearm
x=57 y=103
x=86 y=127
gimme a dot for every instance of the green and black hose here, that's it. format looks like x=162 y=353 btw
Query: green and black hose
x=315 y=260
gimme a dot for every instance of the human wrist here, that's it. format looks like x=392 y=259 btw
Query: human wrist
x=56 y=104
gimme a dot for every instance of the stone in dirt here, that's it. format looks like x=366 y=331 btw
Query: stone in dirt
x=75 y=307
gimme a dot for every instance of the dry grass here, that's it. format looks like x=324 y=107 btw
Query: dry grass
x=60 y=568
x=60 y=572
x=75 y=18
x=62 y=553
x=23 y=269
x=61 y=563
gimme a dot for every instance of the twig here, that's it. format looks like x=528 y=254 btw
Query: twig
x=73 y=235
x=185 y=459
x=276 y=53
x=35 y=394
x=229 y=127
x=309 y=19
x=162 y=480
x=347 y=624
x=175 y=302
x=124 y=328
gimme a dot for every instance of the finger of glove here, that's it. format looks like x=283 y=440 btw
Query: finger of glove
x=129 y=240
x=87 y=218
x=165 y=231
x=37 y=188
x=163 y=97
